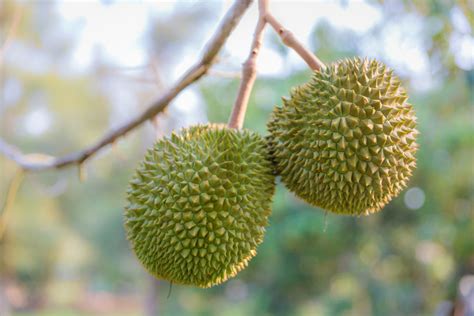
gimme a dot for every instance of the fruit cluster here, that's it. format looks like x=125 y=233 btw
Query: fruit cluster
x=200 y=200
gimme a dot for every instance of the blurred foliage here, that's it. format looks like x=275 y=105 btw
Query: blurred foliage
x=65 y=239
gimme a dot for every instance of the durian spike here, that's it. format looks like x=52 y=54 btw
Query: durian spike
x=199 y=203
x=346 y=145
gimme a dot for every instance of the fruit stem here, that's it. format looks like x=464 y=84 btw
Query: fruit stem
x=249 y=71
x=249 y=68
x=289 y=39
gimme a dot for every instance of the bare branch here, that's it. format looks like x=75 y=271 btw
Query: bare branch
x=29 y=163
x=289 y=39
x=249 y=68
x=249 y=71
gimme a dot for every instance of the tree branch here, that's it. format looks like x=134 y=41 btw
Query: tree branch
x=249 y=68
x=44 y=162
x=289 y=39
x=249 y=71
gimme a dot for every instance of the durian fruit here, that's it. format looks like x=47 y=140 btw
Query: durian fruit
x=345 y=141
x=199 y=203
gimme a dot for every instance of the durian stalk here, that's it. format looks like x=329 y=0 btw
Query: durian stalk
x=290 y=40
x=249 y=72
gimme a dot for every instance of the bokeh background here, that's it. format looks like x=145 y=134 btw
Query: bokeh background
x=74 y=69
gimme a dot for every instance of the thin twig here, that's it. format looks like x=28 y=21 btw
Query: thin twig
x=10 y=198
x=249 y=71
x=289 y=39
x=249 y=68
x=213 y=47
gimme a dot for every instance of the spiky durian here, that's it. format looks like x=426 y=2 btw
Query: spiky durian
x=199 y=203
x=345 y=141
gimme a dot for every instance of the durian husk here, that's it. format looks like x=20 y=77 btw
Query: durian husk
x=346 y=140
x=199 y=203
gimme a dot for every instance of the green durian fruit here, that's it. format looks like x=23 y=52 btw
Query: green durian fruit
x=199 y=203
x=345 y=141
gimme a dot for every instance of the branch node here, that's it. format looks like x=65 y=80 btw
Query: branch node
x=291 y=41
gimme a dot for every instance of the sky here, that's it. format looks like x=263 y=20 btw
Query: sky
x=117 y=29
